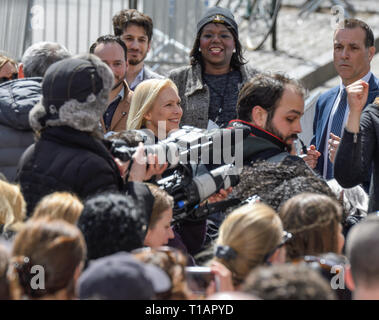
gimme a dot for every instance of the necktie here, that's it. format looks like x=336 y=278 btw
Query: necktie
x=336 y=126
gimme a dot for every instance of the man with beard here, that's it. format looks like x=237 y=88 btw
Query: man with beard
x=136 y=30
x=271 y=106
x=113 y=52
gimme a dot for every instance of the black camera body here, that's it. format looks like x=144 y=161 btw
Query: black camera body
x=188 y=151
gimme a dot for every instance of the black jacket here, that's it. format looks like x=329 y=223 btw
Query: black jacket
x=65 y=159
x=260 y=144
x=17 y=98
x=355 y=156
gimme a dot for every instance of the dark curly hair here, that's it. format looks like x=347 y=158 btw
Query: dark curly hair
x=112 y=222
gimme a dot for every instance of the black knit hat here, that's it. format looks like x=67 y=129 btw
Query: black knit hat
x=218 y=15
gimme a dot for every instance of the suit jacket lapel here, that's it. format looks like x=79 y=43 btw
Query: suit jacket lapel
x=122 y=109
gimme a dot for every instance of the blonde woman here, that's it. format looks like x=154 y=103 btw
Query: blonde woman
x=250 y=236
x=155 y=106
x=59 y=205
x=12 y=208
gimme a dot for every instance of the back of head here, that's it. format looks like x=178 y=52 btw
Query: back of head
x=122 y=277
x=59 y=205
x=111 y=223
x=249 y=233
x=128 y=17
x=12 y=206
x=313 y=220
x=143 y=99
x=74 y=93
x=52 y=249
x=288 y=282
x=173 y=262
x=362 y=251
x=40 y=56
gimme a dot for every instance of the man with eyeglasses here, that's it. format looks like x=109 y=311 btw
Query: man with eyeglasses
x=18 y=97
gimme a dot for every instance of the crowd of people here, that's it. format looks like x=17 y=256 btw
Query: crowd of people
x=80 y=221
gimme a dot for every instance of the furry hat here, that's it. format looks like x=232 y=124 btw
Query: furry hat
x=74 y=93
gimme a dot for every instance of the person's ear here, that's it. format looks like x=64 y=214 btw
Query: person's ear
x=349 y=278
x=149 y=46
x=147 y=116
x=279 y=256
x=371 y=52
x=21 y=71
x=259 y=116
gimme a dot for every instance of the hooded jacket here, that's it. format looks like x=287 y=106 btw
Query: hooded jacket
x=17 y=98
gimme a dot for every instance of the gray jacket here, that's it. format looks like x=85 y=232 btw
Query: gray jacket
x=194 y=94
x=17 y=98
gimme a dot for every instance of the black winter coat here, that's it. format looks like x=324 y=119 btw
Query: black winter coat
x=17 y=98
x=65 y=159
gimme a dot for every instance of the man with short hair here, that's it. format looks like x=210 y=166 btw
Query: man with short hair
x=362 y=251
x=353 y=52
x=113 y=52
x=18 y=97
x=271 y=107
x=136 y=30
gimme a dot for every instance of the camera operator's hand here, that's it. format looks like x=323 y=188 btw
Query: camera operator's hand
x=223 y=279
x=221 y=195
x=154 y=168
x=143 y=168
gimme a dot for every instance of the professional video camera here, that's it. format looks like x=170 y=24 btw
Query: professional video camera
x=188 y=150
x=190 y=191
x=190 y=145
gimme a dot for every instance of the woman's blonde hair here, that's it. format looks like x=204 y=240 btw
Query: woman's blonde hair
x=4 y=59
x=251 y=231
x=59 y=205
x=12 y=206
x=143 y=100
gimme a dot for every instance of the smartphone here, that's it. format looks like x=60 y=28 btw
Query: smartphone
x=199 y=278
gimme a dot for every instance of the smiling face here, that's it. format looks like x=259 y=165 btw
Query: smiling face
x=137 y=42
x=351 y=57
x=285 y=123
x=216 y=45
x=166 y=108
x=161 y=232
x=114 y=56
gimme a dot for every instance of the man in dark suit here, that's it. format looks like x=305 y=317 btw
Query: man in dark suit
x=353 y=52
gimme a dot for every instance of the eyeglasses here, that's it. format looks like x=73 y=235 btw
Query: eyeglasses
x=12 y=77
x=287 y=236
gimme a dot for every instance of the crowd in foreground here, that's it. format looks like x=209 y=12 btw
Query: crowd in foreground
x=81 y=221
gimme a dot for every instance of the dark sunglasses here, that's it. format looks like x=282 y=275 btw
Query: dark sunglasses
x=12 y=77
x=287 y=236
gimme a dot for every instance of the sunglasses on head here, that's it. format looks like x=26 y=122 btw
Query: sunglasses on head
x=287 y=236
